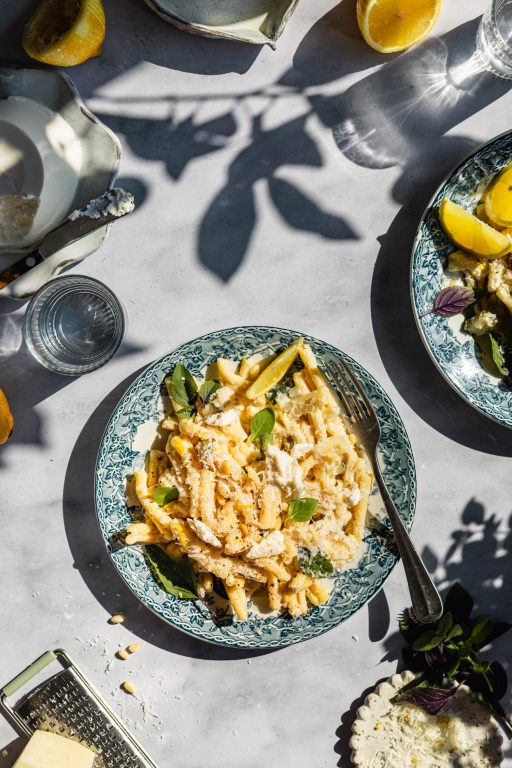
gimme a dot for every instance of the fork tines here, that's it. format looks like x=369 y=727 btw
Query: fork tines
x=349 y=390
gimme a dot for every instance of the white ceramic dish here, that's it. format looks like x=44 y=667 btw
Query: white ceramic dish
x=379 y=741
x=52 y=147
x=254 y=21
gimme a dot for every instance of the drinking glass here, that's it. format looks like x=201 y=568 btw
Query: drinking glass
x=494 y=39
x=74 y=324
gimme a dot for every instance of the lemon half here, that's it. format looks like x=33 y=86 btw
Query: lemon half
x=65 y=32
x=498 y=198
x=275 y=371
x=389 y=26
x=470 y=234
x=6 y=420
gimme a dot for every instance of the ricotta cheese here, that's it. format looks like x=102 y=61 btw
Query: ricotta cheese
x=115 y=202
x=273 y=544
x=204 y=532
x=352 y=496
x=283 y=470
x=222 y=419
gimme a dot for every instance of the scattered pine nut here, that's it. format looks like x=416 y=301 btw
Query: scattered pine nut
x=133 y=648
x=128 y=687
x=122 y=654
x=117 y=618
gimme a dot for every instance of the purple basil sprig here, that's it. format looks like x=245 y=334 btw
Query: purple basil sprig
x=451 y=301
x=431 y=699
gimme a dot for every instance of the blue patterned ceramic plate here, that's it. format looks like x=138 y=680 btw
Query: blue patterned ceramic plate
x=453 y=351
x=117 y=456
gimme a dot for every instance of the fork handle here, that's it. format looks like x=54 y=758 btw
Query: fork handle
x=426 y=601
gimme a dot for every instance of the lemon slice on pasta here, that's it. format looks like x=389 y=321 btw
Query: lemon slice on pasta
x=275 y=371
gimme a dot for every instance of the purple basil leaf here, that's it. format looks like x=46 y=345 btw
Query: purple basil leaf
x=451 y=301
x=436 y=658
x=432 y=700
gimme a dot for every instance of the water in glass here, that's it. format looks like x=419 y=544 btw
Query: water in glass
x=494 y=39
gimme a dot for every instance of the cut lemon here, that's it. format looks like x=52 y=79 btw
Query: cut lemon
x=481 y=214
x=498 y=198
x=65 y=32
x=389 y=26
x=470 y=234
x=275 y=371
x=6 y=420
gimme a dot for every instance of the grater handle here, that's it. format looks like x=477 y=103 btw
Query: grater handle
x=31 y=671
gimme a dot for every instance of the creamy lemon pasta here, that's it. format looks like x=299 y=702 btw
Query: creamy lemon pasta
x=258 y=483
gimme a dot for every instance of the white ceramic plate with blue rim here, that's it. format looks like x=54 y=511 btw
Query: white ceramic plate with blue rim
x=117 y=457
x=453 y=351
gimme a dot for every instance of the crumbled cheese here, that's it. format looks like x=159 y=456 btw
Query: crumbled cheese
x=223 y=395
x=115 y=202
x=206 y=453
x=481 y=323
x=352 y=495
x=222 y=419
x=273 y=544
x=301 y=449
x=284 y=470
x=204 y=532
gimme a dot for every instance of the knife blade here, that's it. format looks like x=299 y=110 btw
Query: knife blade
x=65 y=234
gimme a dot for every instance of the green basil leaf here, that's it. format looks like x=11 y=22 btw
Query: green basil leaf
x=262 y=423
x=497 y=355
x=445 y=623
x=175 y=575
x=185 y=413
x=427 y=641
x=207 y=390
x=314 y=562
x=183 y=386
x=302 y=510
x=164 y=494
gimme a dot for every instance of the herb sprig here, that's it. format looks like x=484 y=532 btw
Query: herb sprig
x=448 y=654
x=183 y=389
x=262 y=424
x=176 y=576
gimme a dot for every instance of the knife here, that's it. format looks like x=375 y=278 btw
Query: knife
x=70 y=231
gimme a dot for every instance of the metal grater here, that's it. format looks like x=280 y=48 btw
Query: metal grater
x=67 y=704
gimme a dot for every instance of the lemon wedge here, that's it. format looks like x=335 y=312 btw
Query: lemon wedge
x=498 y=198
x=389 y=26
x=65 y=32
x=275 y=371
x=6 y=420
x=470 y=234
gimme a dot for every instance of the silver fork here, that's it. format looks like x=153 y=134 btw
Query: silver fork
x=426 y=602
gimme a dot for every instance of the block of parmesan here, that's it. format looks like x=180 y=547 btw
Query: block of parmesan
x=48 y=750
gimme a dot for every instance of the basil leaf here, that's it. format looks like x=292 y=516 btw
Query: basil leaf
x=183 y=386
x=207 y=389
x=185 y=413
x=452 y=300
x=426 y=641
x=431 y=699
x=302 y=510
x=497 y=355
x=314 y=562
x=262 y=423
x=165 y=494
x=175 y=575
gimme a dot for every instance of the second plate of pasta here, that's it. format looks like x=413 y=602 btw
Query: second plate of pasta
x=233 y=499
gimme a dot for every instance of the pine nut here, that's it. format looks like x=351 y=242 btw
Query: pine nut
x=133 y=648
x=122 y=654
x=128 y=687
x=117 y=618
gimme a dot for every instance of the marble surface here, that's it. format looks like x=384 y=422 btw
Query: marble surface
x=273 y=188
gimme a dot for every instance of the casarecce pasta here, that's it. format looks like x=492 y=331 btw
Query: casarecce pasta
x=269 y=491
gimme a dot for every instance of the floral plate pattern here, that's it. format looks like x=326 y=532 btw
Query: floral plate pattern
x=453 y=351
x=117 y=457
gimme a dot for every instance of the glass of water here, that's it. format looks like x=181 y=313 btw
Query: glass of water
x=494 y=39
x=74 y=324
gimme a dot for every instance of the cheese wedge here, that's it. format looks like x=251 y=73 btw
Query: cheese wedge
x=48 y=750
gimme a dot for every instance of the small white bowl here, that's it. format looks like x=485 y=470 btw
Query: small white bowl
x=377 y=742
x=54 y=148
x=253 y=21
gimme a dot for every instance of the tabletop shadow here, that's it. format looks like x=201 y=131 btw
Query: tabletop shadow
x=90 y=556
x=400 y=347
x=479 y=557
x=12 y=751
x=378 y=617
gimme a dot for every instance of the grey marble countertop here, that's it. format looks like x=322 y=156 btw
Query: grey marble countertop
x=279 y=188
